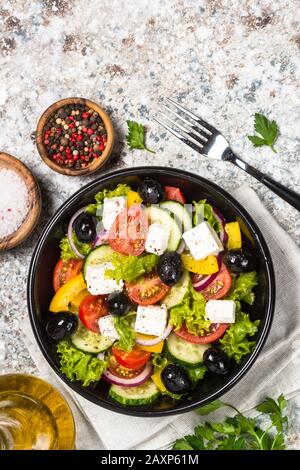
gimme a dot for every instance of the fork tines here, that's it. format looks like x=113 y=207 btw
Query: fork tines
x=194 y=127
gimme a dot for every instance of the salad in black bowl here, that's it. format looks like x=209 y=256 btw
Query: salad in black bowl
x=159 y=300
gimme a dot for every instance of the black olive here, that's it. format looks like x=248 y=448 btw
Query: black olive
x=169 y=268
x=175 y=379
x=61 y=325
x=84 y=227
x=240 y=261
x=118 y=304
x=216 y=361
x=151 y=191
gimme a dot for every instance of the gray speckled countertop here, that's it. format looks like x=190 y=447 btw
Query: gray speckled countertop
x=224 y=59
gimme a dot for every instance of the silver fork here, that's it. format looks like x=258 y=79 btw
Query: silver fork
x=209 y=142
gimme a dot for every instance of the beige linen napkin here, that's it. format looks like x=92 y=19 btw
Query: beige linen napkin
x=275 y=371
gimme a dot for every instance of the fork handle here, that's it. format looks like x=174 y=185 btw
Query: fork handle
x=282 y=191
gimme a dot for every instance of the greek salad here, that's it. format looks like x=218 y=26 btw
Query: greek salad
x=150 y=293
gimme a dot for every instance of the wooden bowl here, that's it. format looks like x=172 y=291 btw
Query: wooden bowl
x=34 y=195
x=96 y=163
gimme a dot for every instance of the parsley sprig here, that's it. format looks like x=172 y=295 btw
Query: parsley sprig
x=136 y=136
x=239 y=432
x=268 y=131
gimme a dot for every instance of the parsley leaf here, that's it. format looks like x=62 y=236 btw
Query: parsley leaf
x=274 y=410
x=239 y=432
x=210 y=407
x=268 y=131
x=182 y=444
x=136 y=136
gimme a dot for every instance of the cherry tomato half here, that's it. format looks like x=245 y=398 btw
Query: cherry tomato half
x=91 y=309
x=174 y=194
x=65 y=270
x=120 y=371
x=220 y=286
x=129 y=231
x=134 y=359
x=147 y=290
x=217 y=330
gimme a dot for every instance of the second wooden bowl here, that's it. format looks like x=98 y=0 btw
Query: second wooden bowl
x=96 y=163
x=34 y=202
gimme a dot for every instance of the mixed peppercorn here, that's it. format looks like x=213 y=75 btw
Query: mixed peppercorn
x=74 y=136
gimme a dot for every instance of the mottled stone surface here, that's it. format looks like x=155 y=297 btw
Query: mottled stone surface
x=224 y=59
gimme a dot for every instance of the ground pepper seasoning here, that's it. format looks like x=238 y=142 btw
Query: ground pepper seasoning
x=74 y=136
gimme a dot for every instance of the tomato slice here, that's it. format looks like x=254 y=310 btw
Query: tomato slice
x=174 y=194
x=129 y=231
x=65 y=270
x=91 y=309
x=134 y=359
x=120 y=371
x=147 y=290
x=220 y=286
x=216 y=331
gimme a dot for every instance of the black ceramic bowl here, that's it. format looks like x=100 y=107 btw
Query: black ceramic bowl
x=46 y=254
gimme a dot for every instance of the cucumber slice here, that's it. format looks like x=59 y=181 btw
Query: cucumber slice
x=181 y=213
x=189 y=354
x=155 y=214
x=177 y=292
x=90 y=342
x=97 y=256
x=139 y=395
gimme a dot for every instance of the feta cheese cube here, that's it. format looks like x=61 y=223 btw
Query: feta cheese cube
x=151 y=320
x=97 y=283
x=220 y=311
x=107 y=327
x=157 y=238
x=202 y=241
x=112 y=207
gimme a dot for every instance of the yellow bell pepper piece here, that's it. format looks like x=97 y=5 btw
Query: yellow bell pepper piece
x=133 y=198
x=208 y=265
x=74 y=304
x=68 y=292
x=234 y=236
x=156 y=377
x=157 y=348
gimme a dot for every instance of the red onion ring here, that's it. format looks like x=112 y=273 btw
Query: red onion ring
x=101 y=238
x=152 y=342
x=203 y=282
x=70 y=232
x=182 y=247
x=221 y=219
x=140 y=379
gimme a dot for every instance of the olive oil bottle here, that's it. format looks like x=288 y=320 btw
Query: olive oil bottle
x=33 y=415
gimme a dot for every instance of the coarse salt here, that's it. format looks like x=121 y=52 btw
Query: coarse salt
x=13 y=202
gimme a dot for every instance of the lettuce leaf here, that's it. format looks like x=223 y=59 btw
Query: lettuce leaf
x=126 y=333
x=204 y=211
x=66 y=250
x=242 y=287
x=235 y=343
x=130 y=267
x=120 y=190
x=196 y=373
x=77 y=365
x=190 y=311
